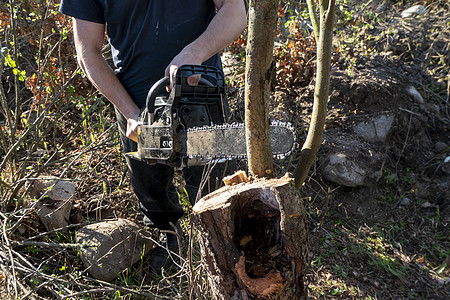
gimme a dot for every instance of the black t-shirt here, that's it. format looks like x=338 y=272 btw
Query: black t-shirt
x=145 y=35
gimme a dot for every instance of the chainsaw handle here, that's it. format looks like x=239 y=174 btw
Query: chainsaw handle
x=157 y=88
x=154 y=92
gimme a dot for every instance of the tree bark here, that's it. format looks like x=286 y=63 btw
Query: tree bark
x=259 y=71
x=313 y=17
x=314 y=137
x=253 y=240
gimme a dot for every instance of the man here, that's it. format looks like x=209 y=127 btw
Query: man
x=149 y=39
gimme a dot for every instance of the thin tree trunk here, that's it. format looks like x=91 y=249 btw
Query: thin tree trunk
x=313 y=17
x=315 y=132
x=259 y=71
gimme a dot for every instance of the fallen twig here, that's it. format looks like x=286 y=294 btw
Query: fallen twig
x=53 y=245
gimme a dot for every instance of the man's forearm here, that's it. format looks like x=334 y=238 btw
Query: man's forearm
x=229 y=22
x=88 y=42
x=104 y=79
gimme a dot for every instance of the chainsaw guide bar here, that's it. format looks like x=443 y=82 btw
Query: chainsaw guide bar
x=228 y=141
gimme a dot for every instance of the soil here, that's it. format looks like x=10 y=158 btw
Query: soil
x=405 y=212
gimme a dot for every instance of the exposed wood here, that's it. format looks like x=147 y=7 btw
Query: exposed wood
x=253 y=240
x=236 y=178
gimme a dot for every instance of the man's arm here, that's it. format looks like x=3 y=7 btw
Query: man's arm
x=228 y=23
x=89 y=37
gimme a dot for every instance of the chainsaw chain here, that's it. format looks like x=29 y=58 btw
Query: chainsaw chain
x=275 y=123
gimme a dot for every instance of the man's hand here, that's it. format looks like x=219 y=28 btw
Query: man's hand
x=132 y=128
x=228 y=23
x=186 y=57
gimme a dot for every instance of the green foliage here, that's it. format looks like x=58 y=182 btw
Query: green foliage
x=10 y=62
x=355 y=27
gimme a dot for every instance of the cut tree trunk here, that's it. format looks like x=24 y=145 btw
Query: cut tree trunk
x=253 y=240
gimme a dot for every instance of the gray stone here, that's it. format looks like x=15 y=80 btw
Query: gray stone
x=53 y=187
x=55 y=200
x=54 y=213
x=414 y=11
x=365 y=130
x=446 y=165
x=427 y=205
x=415 y=94
x=440 y=147
x=383 y=127
x=405 y=202
x=351 y=163
x=344 y=171
x=375 y=130
x=121 y=242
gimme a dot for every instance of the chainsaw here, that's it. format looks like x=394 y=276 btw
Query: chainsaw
x=189 y=126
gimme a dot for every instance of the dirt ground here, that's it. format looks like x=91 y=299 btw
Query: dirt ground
x=388 y=240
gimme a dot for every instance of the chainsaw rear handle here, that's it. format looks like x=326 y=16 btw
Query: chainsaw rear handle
x=158 y=87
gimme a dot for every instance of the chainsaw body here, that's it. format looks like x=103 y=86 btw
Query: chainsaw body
x=166 y=118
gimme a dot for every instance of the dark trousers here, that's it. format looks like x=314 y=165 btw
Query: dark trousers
x=154 y=188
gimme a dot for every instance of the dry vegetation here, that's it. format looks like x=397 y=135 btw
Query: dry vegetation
x=364 y=244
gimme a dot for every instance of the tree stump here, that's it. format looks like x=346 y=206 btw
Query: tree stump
x=253 y=240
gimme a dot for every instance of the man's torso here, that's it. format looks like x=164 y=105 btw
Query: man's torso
x=145 y=35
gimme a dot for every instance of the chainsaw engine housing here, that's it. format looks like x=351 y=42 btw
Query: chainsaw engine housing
x=166 y=117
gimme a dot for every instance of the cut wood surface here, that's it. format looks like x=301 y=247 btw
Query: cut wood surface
x=253 y=240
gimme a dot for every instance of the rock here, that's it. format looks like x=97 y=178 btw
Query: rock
x=55 y=188
x=383 y=126
x=351 y=163
x=344 y=171
x=414 y=11
x=55 y=200
x=443 y=281
x=54 y=213
x=405 y=202
x=440 y=147
x=121 y=244
x=446 y=165
x=415 y=94
x=427 y=205
x=376 y=130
